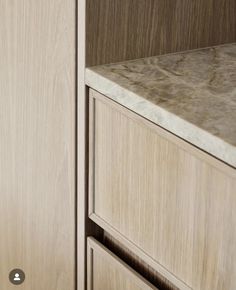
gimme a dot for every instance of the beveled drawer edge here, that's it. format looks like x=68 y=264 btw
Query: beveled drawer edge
x=93 y=244
x=91 y=156
x=139 y=252
x=183 y=144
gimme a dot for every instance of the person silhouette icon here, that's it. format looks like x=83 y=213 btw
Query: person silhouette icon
x=17 y=277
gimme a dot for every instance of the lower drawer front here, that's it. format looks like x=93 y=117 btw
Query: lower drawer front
x=107 y=272
x=168 y=201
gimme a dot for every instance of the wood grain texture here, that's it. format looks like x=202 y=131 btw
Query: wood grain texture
x=106 y=271
x=81 y=148
x=37 y=144
x=163 y=198
x=118 y=30
x=136 y=263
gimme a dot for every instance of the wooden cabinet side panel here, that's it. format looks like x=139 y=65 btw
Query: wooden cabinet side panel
x=37 y=143
x=177 y=206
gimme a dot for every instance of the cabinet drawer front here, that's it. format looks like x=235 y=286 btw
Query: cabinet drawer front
x=106 y=271
x=170 y=202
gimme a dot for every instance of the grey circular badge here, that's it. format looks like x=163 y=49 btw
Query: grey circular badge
x=17 y=276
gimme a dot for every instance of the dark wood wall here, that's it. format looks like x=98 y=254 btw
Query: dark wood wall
x=127 y=29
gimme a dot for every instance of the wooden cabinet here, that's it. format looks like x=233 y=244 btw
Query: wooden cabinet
x=107 y=272
x=173 y=204
x=37 y=143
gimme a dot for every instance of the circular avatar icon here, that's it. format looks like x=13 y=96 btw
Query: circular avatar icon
x=17 y=276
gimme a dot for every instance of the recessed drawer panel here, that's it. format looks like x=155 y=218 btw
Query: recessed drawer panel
x=107 y=272
x=173 y=204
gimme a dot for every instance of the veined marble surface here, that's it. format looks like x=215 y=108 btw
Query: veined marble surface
x=192 y=94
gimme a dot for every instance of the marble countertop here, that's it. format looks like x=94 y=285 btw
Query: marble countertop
x=191 y=94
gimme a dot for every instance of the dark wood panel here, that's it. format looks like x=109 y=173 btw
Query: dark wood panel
x=126 y=29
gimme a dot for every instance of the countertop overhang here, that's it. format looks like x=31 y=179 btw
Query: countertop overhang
x=191 y=94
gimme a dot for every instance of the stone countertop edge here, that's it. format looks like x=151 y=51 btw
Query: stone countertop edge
x=163 y=118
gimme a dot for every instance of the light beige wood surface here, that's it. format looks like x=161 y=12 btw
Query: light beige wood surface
x=172 y=204
x=136 y=263
x=107 y=272
x=37 y=143
x=81 y=148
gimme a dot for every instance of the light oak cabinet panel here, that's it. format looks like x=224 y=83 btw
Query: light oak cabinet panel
x=37 y=143
x=107 y=272
x=171 y=203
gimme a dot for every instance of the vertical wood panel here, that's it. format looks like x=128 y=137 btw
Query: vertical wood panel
x=126 y=29
x=37 y=143
x=81 y=147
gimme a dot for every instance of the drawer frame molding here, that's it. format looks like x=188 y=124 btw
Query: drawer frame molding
x=94 y=245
